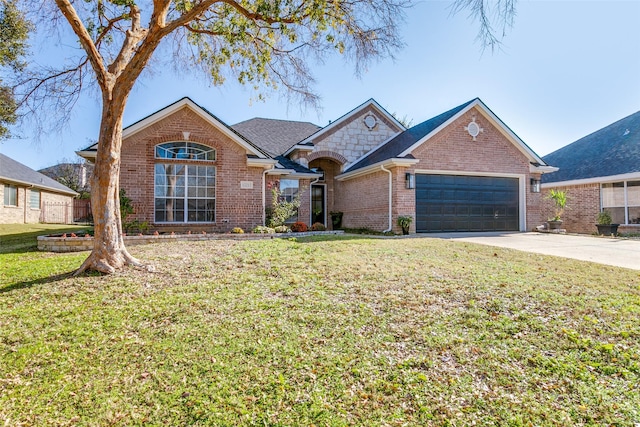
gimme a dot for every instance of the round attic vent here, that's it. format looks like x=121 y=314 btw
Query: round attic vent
x=370 y=121
x=473 y=129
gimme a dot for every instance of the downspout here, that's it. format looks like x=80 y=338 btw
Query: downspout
x=390 y=199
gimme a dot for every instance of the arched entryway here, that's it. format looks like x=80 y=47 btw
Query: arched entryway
x=324 y=191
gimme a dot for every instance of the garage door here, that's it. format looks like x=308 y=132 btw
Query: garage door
x=447 y=203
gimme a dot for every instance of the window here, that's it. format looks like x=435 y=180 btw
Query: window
x=10 y=195
x=185 y=151
x=622 y=200
x=34 y=199
x=289 y=189
x=185 y=193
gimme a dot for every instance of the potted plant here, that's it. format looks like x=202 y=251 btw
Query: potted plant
x=559 y=199
x=405 y=222
x=604 y=224
x=336 y=219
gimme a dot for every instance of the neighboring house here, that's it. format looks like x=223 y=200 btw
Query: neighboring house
x=463 y=170
x=600 y=171
x=31 y=197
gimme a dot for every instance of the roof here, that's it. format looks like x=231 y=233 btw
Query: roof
x=406 y=139
x=612 y=150
x=275 y=136
x=15 y=172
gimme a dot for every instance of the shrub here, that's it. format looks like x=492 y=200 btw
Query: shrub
x=299 y=227
x=237 y=230
x=261 y=229
x=318 y=226
x=282 y=229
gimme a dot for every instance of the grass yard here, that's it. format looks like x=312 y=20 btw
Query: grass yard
x=337 y=331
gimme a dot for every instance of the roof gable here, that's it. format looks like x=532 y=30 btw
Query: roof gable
x=340 y=121
x=251 y=148
x=405 y=143
x=15 y=172
x=612 y=150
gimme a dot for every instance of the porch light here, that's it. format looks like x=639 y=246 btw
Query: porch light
x=409 y=181
x=535 y=185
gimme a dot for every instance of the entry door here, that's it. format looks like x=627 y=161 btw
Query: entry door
x=318 y=213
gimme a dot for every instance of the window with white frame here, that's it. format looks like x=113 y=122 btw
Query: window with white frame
x=289 y=189
x=34 y=199
x=10 y=195
x=622 y=200
x=184 y=193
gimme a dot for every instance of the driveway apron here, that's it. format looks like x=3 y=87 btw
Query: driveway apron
x=617 y=252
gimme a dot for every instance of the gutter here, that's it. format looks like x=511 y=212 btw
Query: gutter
x=390 y=198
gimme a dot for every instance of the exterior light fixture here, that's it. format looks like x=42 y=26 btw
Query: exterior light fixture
x=409 y=181
x=535 y=185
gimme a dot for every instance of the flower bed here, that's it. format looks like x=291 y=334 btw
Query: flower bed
x=67 y=243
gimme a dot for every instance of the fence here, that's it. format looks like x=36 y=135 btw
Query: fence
x=67 y=213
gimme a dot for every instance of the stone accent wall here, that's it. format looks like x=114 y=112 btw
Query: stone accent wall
x=583 y=206
x=235 y=207
x=24 y=214
x=353 y=139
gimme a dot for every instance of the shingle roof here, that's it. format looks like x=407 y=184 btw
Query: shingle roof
x=16 y=172
x=612 y=150
x=275 y=136
x=407 y=138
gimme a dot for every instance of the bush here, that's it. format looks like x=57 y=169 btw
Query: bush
x=318 y=226
x=261 y=229
x=299 y=227
x=282 y=229
x=237 y=230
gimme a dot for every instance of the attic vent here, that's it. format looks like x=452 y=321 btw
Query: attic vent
x=370 y=121
x=626 y=132
x=473 y=128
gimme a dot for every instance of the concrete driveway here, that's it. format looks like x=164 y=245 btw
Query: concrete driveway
x=616 y=252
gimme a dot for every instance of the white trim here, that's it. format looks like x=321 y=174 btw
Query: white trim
x=394 y=162
x=298 y=147
x=522 y=185
x=596 y=180
x=497 y=123
x=261 y=163
x=371 y=102
x=542 y=169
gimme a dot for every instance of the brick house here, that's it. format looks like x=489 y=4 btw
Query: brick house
x=600 y=171
x=463 y=170
x=31 y=197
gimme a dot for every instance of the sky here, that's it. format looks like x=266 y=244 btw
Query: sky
x=564 y=70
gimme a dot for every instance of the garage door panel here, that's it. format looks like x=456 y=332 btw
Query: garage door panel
x=448 y=203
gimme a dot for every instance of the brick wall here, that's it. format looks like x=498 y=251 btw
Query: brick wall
x=583 y=206
x=364 y=201
x=24 y=214
x=235 y=207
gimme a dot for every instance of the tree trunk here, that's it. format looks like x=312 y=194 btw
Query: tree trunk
x=109 y=252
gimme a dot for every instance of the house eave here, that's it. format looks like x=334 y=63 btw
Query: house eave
x=389 y=163
x=594 y=180
x=261 y=163
x=542 y=169
x=298 y=147
x=39 y=187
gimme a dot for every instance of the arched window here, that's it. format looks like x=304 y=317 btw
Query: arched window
x=181 y=150
x=184 y=192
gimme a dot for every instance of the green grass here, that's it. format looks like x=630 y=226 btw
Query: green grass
x=23 y=237
x=324 y=331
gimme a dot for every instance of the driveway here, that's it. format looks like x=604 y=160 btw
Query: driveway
x=616 y=252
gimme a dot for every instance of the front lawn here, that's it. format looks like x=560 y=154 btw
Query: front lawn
x=328 y=331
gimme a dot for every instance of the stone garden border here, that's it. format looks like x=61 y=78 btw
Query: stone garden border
x=81 y=243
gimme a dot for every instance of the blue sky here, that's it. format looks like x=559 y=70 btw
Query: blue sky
x=565 y=69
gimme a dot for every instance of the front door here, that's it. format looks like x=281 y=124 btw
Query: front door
x=318 y=213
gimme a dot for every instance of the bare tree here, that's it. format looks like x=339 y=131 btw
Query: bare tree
x=267 y=44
